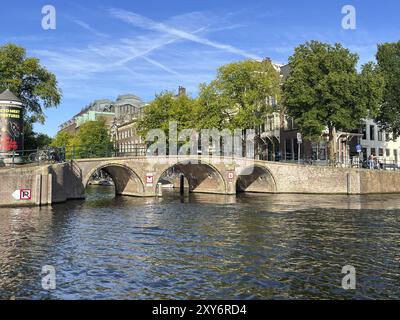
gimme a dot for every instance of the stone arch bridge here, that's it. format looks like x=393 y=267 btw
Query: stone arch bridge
x=139 y=176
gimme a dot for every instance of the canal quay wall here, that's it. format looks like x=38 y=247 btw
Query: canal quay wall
x=58 y=183
x=43 y=185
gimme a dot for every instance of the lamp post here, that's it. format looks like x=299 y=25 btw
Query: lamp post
x=299 y=141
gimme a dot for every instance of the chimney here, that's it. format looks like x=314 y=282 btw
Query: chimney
x=181 y=91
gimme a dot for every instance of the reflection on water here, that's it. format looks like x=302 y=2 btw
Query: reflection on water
x=203 y=246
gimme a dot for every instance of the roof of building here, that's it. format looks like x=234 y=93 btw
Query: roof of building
x=102 y=101
x=285 y=71
x=108 y=106
x=127 y=97
x=9 y=96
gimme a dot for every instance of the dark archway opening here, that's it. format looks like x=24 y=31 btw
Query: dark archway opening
x=194 y=178
x=255 y=179
x=117 y=179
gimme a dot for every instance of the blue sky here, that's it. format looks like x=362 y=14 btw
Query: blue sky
x=101 y=49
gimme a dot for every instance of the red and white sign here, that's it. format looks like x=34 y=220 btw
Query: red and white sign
x=149 y=179
x=231 y=175
x=22 y=194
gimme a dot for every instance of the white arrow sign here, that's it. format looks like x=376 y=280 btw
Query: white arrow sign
x=22 y=194
x=16 y=194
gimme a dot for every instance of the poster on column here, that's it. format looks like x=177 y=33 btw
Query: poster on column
x=11 y=126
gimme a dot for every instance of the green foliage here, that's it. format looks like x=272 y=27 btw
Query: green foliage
x=62 y=139
x=325 y=90
x=92 y=140
x=36 y=86
x=237 y=98
x=92 y=133
x=34 y=140
x=166 y=108
x=388 y=58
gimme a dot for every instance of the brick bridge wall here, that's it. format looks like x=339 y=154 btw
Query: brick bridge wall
x=61 y=182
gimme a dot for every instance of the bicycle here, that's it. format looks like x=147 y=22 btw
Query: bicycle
x=47 y=155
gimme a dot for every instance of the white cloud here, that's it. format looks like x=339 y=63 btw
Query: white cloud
x=146 y=23
x=144 y=63
x=86 y=26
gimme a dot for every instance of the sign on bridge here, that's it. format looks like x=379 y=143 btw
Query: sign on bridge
x=149 y=179
x=22 y=194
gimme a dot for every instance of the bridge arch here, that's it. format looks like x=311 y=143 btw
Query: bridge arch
x=255 y=178
x=126 y=180
x=201 y=176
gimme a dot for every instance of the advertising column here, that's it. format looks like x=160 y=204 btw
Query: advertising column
x=11 y=124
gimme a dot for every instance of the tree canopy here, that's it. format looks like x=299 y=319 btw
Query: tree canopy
x=34 y=140
x=30 y=81
x=92 y=138
x=325 y=91
x=166 y=108
x=388 y=57
x=62 y=139
x=238 y=97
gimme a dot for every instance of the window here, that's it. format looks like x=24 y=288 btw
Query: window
x=271 y=123
x=373 y=151
x=322 y=151
x=395 y=154
x=381 y=152
x=290 y=125
x=387 y=136
x=296 y=149
x=388 y=153
x=371 y=133
x=288 y=149
x=364 y=131
x=380 y=135
x=271 y=101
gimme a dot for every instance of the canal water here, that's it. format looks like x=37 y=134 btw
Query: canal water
x=203 y=247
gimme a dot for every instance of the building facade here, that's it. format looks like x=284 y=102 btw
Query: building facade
x=377 y=142
x=279 y=139
x=97 y=109
x=128 y=110
x=121 y=117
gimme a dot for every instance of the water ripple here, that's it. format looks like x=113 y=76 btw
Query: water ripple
x=203 y=247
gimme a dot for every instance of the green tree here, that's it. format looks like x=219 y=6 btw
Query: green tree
x=325 y=91
x=92 y=139
x=34 y=140
x=388 y=58
x=33 y=83
x=62 y=139
x=166 y=108
x=238 y=97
